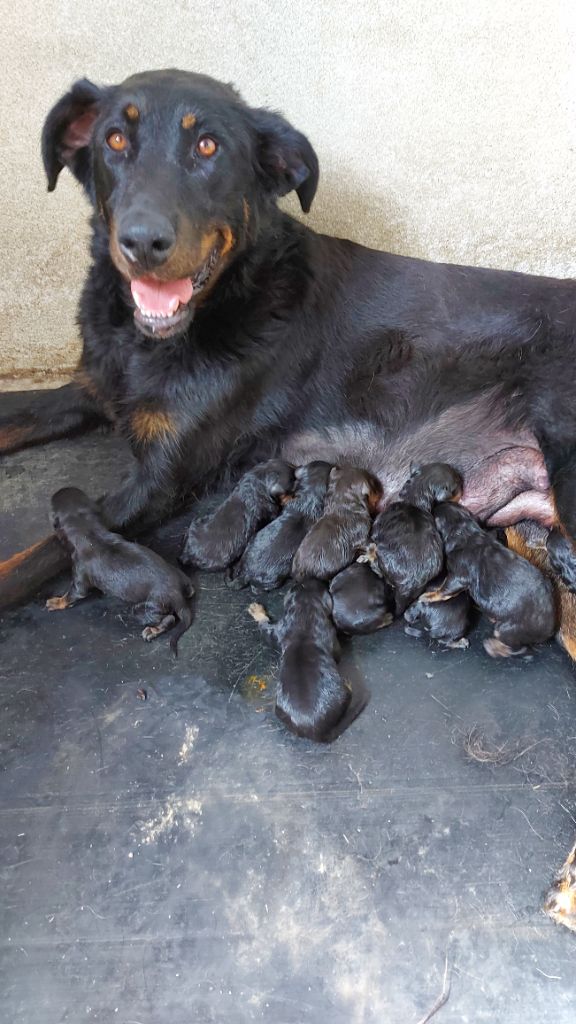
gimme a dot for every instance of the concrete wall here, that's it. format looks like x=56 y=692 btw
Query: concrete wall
x=445 y=129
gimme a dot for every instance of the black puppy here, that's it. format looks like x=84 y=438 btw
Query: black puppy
x=406 y=547
x=216 y=540
x=105 y=561
x=561 y=557
x=267 y=561
x=445 y=621
x=362 y=602
x=343 y=530
x=312 y=699
x=511 y=591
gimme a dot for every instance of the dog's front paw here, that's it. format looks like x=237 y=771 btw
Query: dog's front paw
x=258 y=612
x=57 y=604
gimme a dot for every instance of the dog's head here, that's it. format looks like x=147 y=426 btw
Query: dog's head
x=69 y=502
x=182 y=173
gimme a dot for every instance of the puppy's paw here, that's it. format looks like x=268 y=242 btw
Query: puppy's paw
x=369 y=556
x=58 y=604
x=412 y=631
x=258 y=612
x=560 y=902
x=498 y=649
x=457 y=645
x=151 y=632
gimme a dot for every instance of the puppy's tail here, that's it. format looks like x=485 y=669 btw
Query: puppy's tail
x=22 y=575
x=185 y=618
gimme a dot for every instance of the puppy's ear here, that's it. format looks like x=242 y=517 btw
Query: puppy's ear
x=67 y=133
x=285 y=160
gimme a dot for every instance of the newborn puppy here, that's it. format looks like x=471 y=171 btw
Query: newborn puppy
x=343 y=530
x=512 y=592
x=406 y=547
x=445 y=621
x=216 y=540
x=105 y=561
x=267 y=561
x=361 y=601
x=312 y=699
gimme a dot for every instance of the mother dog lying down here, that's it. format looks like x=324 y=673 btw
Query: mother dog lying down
x=219 y=331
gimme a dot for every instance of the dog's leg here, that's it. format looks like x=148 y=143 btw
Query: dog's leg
x=157 y=628
x=451 y=587
x=78 y=591
x=41 y=416
x=260 y=615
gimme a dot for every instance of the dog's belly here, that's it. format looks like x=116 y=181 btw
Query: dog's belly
x=505 y=477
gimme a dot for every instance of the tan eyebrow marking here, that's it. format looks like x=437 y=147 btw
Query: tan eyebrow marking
x=132 y=112
x=189 y=120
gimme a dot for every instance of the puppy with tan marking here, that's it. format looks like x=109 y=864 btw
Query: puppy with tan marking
x=448 y=622
x=267 y=561
x=216 y=540
x=509 y=590
x=343 y=530
x=312 y=699
x=102 y=560
x=406 y=547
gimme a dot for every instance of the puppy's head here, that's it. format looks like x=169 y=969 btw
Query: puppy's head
x=277 y=477
x=432 y=483
x=453 y=521
x=351 y=486
x=67 y=502
x=313 y=477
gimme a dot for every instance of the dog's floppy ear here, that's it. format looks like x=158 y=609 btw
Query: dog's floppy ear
x=285 y=158
x=67 y=132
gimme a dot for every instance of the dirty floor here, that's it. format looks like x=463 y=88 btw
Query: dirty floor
x=184 y=859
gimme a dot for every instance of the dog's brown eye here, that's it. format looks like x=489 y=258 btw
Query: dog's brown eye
x=117 y=141
x=206 y=146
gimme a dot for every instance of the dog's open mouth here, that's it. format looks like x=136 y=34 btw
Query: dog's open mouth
x=166 y=308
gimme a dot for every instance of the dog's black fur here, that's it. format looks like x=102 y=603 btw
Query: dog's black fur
x=312 y=699
x=267 y=560
x=361 y=601
x=342 y=531
x=405 y=544
x=510 y=591
x=291 y=339
x=101 y=560
x=216 y=540
x=561 y=558
x=445 y=621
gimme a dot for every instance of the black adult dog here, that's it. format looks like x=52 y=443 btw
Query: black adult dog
x=218 y=330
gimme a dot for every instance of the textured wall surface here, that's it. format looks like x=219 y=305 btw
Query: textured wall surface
x=444 y=130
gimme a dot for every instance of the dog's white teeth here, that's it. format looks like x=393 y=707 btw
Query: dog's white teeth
x=174 y=303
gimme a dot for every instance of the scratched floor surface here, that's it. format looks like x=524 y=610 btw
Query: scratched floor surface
x=183 y=859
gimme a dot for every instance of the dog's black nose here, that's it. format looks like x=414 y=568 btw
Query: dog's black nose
x=147 y=241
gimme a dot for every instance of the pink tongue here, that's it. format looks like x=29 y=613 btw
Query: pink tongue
x=161 y=297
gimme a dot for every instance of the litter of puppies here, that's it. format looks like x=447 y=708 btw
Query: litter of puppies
x=355 y=564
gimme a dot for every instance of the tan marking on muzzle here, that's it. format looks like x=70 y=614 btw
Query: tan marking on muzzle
x=151 y=425
x=188 y=121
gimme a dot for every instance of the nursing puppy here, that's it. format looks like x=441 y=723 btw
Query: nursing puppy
x=445 y=621
x=512 y=592
x=216 y=540
x=362 y=602
x=343 y=530
x=406 y=547
x=267 y=560
x=312 y=699
x=104 y=561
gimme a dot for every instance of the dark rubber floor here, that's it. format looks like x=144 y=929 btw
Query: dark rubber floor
x=184 y=859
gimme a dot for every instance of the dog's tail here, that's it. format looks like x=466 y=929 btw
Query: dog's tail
x=22 y=575
x=185 y=618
